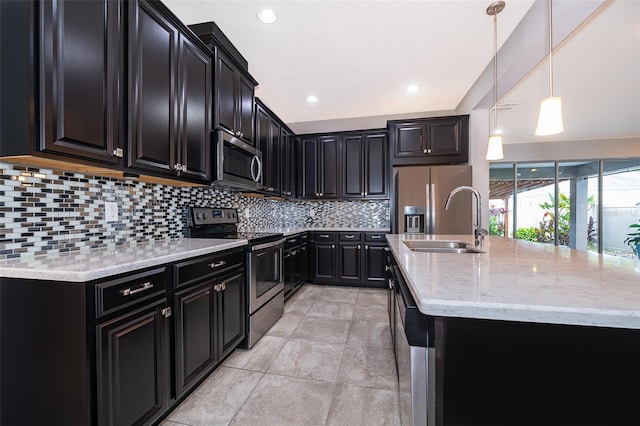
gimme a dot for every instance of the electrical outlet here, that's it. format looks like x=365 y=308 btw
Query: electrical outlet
x=110 y=211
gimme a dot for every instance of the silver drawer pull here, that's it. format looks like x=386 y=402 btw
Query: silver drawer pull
x=293 y=240
x=217 y=264
x=375 y=237
x=324 y=236
x=349 y=236
x=130 y=291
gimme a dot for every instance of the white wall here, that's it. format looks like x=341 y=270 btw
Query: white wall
x=478 y=142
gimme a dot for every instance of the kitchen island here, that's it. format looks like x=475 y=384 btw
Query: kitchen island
x=523 y=333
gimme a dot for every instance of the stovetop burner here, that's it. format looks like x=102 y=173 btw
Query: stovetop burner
x=205 y=222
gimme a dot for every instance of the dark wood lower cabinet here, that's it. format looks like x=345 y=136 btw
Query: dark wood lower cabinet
x=132 y=366
x=349 y=258
x=194 y=331
x=209 y=324
x=120 y=350
x=295 y=263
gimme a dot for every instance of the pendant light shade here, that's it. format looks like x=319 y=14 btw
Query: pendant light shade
x=550 y=117
x=494 y=150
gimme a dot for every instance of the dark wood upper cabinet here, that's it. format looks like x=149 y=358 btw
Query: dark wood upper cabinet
x=365 y=165
x=440 y=140
x=267 y=134
x=320 y=174
x=80 y=79
x=169 y=75
x=194 y=119
x=288 y=169
x=234 y=98
x=153 y=46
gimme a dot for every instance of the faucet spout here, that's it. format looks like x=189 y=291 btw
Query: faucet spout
x=478 y=232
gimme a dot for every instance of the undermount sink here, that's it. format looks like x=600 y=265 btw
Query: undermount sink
x=438 y=246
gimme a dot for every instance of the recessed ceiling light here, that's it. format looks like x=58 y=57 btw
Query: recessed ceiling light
x=412 y=88
x=267 y=16
x=312 y=99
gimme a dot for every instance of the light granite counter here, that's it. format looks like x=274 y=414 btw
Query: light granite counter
x=291 y=231
x=92 y=264
x=522 y=281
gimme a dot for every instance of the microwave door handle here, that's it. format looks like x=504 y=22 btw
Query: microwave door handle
x=259 y=179
x=253 y=162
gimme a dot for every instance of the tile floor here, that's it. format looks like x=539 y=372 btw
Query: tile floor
x=328 y=361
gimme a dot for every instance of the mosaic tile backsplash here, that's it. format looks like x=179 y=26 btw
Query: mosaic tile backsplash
x=44 y=211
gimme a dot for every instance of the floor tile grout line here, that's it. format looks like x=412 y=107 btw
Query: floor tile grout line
x=262 y=374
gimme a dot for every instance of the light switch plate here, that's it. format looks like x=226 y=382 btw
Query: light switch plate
x=110 y=211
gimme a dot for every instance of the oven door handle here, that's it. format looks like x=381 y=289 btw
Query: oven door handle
x=266 y=245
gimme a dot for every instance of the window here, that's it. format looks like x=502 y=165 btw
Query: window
x=586 y=205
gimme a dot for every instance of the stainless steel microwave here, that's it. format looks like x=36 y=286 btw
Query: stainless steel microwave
x=238 y=165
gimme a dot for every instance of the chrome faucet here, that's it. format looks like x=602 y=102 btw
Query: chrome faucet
x=478 y=232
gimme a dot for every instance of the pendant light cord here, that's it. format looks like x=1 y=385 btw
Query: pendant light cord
x=495 y=72
x=550 y=48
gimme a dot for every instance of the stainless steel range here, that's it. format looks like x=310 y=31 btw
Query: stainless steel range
x=265 y=283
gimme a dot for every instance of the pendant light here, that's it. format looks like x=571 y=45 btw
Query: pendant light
x=550 y=118
x=494 y=150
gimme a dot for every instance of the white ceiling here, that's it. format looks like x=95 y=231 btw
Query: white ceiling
x=358 y=57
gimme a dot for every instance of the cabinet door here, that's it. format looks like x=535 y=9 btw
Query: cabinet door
x=289 y=273
x=273 y=162
x=80 y=77
x=325 y=262
x=302 y=265
x=287 y=181
x=376 y=166
x=374 y=264
x=444 y=136
x=408 y=139
x=153 y=42
x=262 y=136
x=350 y=262
x=225 y=94
x=194 y=334
x=232 y=312
x=309 y=174
x=245 y=108
x=329 y=170
x=132 y=367
x=195 y=112
x=353 y=168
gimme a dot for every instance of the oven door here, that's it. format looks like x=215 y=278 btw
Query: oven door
x=265 y=273
x=238 y=165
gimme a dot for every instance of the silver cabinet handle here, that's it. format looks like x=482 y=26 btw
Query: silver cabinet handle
x=376 y=237
x=293 y=240
x=324 y=236
x=333 y=246
x=366 y=247
x=166 y=312
x=358 y=246
x=386 y=249
x=217 y=264
x=118 y=152
x=223 y=286
x=350 y=236
x=130 y=291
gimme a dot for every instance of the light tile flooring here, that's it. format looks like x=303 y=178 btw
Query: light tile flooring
x=328 y=361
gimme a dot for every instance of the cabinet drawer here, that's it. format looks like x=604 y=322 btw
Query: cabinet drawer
x=350 y=236
x=120 y=293
x=375 y=238
x=292 y=241
x=324 y=236
x=194 y=270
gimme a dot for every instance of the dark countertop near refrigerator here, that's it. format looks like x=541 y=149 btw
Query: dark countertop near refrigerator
x=515 y=280
x=92 y=264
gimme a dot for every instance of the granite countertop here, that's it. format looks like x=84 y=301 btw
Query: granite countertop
x=291 y=231
x=92 y=264
x=522 y=281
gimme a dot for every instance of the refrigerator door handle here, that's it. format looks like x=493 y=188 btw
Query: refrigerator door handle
x=427 y=209
x=431 y=194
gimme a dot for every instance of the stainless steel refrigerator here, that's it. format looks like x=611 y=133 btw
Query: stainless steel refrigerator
x=425 y=189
